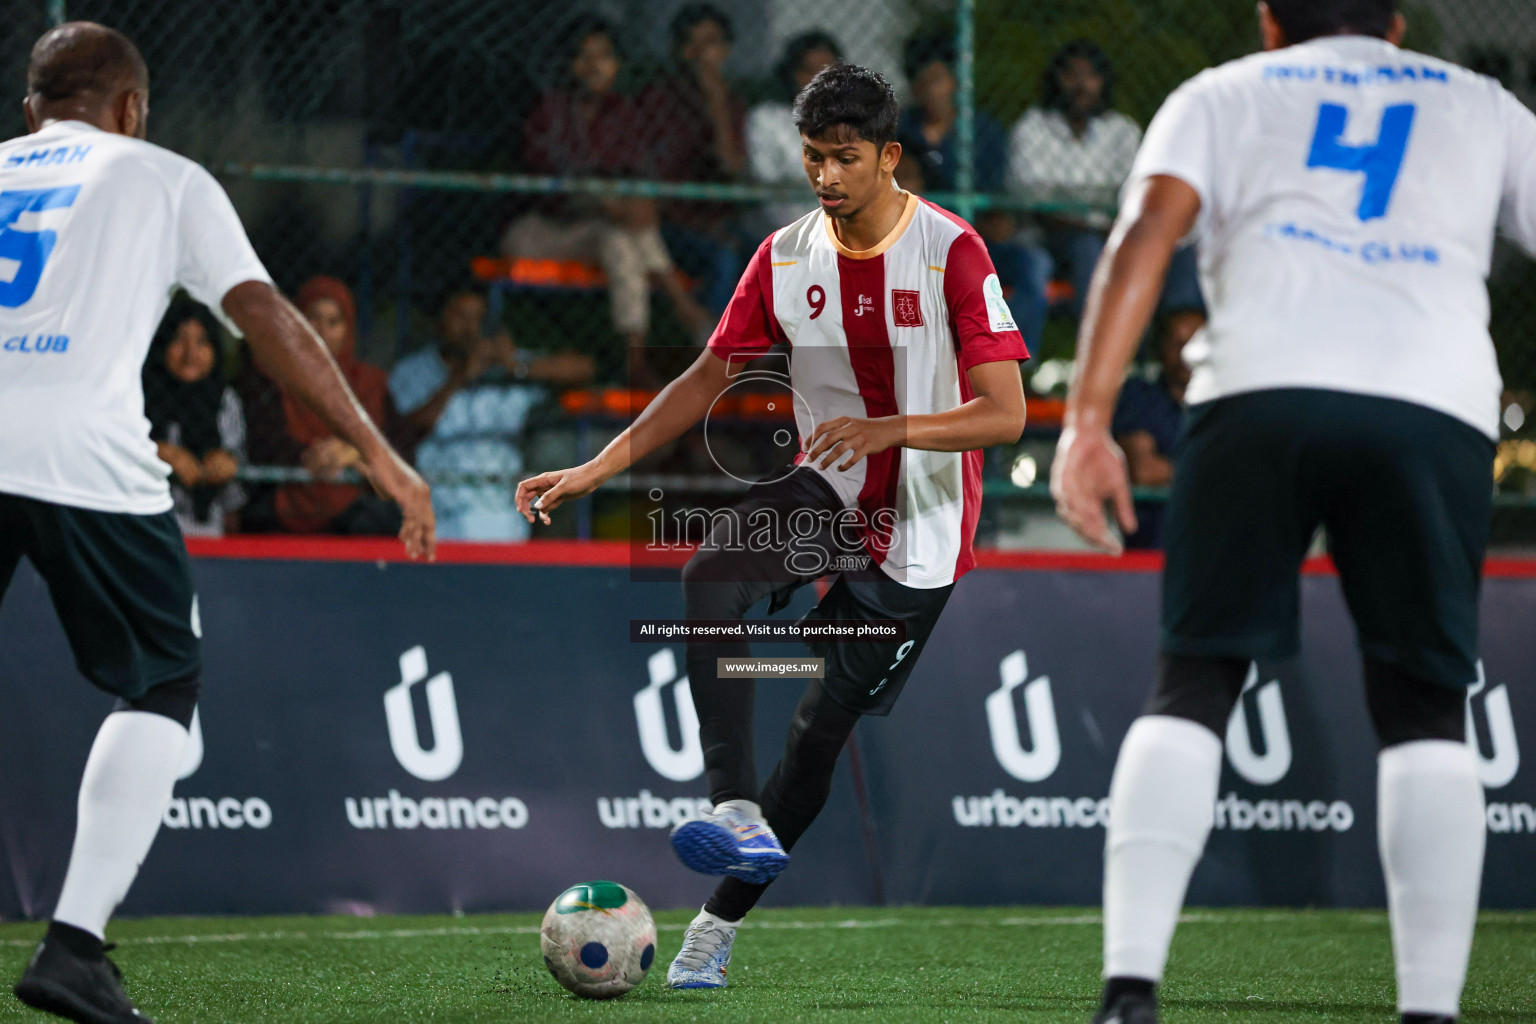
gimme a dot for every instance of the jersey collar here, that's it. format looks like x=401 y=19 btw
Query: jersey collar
x=885 y=243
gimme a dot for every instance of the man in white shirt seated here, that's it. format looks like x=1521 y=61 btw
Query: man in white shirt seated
x=1074 y=148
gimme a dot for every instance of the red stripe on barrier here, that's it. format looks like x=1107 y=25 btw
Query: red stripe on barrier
x=618 y=554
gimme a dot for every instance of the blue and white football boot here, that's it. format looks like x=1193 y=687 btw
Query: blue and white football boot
x=734 y=840
x=705 y=955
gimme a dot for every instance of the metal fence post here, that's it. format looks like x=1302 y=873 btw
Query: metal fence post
x=965 y=67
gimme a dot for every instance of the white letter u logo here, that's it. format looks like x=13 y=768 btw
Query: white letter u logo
x=1271 y=768
x=1499 y=769
x=680 y=764
x=1003 y=722
x=447 y=741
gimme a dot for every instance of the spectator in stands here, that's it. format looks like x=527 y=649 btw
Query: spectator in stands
x=328 y=505
x=773 y=141
x=1074 y=147
x=195 y=421
x=1149 y=419
x=693 y=120
x=586 y=128
x=928 y=130
x=469 y=396
x=930 y=147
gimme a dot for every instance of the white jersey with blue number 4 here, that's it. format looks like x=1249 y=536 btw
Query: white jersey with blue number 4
x=96 y=231
x=1349 y=196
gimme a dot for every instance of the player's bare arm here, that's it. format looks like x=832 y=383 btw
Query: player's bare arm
x=289 y=351
x=673 y=413
x=994 y=416
x=1089 y=469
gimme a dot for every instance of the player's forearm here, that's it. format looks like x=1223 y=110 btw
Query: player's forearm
x=673 y=412
x=288 y=350
x=980 y=423
x=1158 y=213
x=1121 y=302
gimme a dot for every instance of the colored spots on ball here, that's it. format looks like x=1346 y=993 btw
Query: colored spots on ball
x=600 y=896
x=647 y=955
x=594 y=955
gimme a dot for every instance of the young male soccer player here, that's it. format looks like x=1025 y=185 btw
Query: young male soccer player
x=99 y=227
x=1344 y=194
x=905 y=363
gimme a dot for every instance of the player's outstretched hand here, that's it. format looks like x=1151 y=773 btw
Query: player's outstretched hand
x=847 y=439
x=1088 y=472
x=546 y=492
x=398 y=482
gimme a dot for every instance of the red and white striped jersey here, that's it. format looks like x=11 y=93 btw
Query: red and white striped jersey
x=886 y=331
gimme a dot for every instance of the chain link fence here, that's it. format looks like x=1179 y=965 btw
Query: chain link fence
x=515 y=220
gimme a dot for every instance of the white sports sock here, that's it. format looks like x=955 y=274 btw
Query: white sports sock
x=1161 y=805
x=127 y=785
x=1431 y=828
x=706 y=917
x=746 y=807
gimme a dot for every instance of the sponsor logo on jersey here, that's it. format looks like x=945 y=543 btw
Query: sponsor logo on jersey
x=999 y=316
x=41 y=344
x=906 y=308
x=399 y=811
x=866 y=304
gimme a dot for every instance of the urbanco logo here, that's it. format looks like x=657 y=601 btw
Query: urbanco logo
x=1038 y=763
x=210 y=812
x=1497 y=769
x=399 y=811
x=682 y=763
x=447 y=751
x=1270 y=767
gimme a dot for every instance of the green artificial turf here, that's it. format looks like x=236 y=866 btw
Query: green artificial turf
x=918 y=965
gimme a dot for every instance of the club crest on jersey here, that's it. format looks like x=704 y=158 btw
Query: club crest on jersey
x=866 y=305
x=906 y=308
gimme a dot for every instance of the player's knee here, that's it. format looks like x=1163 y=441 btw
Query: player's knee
x=176 y=700
x=1404 y=708
x=1201 y=690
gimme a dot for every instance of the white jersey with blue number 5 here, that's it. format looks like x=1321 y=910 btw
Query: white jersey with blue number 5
x=96 y=231
x=1349 y=196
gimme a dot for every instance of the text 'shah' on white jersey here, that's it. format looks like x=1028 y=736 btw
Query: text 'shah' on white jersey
x=886 y=331
x=96 y=231
x=1349 y=195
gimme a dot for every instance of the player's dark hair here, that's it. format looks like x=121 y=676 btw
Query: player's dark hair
x=795 y=51
x=1054 y=97
x=1301 y=20
x=694 y=14
x=851 y=96
x=82 y=58
x=922 y=51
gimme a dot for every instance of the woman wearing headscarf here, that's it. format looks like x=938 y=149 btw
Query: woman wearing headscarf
x=195 y=420
x=328 y=506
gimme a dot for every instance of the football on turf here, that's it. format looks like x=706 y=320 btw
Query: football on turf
x=598 y=939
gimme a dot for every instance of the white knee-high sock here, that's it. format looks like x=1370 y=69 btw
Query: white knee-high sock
x=1431 y=828
x=127 y=785
x=1161 y=804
